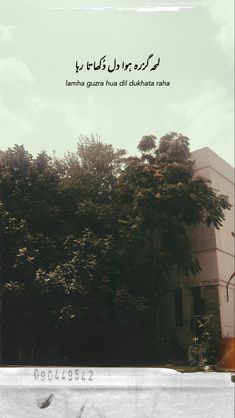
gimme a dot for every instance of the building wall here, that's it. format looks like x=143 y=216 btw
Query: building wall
x=215 y=251
x=221 y=174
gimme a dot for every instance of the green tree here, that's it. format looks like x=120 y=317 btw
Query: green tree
x=90 y=241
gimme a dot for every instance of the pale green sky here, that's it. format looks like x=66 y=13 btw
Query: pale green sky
x=40 y=41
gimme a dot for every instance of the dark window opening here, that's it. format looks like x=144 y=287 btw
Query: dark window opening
x=197 y=301
x=178 y=301
x=198 y=310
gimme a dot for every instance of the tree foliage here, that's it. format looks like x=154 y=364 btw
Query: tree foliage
x=89 y=241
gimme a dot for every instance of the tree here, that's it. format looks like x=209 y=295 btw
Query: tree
x=163 y=197
x=91 y=241
x=30 y=238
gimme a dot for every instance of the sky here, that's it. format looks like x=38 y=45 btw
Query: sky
x=40 y=42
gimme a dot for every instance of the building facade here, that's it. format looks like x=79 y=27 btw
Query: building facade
x=211 y=292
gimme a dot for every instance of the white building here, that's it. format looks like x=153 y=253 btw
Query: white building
x=212 y=290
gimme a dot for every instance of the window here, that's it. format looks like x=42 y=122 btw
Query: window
x=178 y=301
x=197 y=301
x=198 y=310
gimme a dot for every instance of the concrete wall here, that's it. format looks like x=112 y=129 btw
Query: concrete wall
x=218 y=258
x=215 y=251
